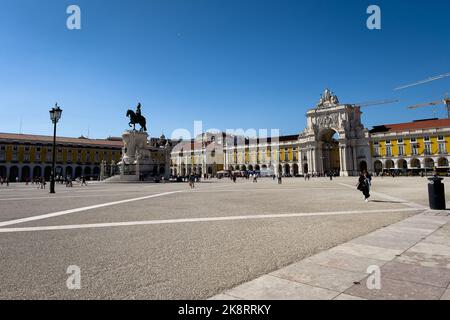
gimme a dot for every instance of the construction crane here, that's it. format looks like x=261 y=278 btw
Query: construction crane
x=430 y=79
x=445 y=101
x=374 y=103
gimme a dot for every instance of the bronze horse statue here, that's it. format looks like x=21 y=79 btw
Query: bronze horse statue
x=137 y=119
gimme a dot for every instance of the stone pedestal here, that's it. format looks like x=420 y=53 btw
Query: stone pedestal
x=133 y=144
x=144 y=159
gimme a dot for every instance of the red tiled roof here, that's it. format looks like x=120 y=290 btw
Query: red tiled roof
x=420 y=124
x=60 y=140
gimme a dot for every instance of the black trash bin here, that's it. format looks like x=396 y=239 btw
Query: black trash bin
x=436 y=193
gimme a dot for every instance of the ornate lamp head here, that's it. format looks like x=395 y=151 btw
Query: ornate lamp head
x=55 y=113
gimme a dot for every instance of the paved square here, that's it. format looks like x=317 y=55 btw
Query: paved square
x=165 y=241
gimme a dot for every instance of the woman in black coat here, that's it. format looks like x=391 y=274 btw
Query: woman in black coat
x=363 y=185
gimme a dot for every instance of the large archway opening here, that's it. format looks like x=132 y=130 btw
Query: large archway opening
x=378 y=167
x=389 y=166
x=13 y=173
x=47 y=173
x=3 y=172
x=37 y=172
x=69 y=172
x=329 y=141
x=295 y=169
x=402 y=166
x=26 y=173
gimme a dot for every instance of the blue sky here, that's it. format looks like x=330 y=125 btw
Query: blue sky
x=232 y=64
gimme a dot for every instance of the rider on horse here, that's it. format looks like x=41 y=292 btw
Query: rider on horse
x=137 y=118
x=138 y=109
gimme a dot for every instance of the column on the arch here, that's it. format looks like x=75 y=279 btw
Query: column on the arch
x=313 y=160
x=355 y=165
x=310 y=160
x=342 y=159
x=300 y=161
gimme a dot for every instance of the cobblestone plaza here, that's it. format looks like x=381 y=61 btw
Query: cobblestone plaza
x=166 y=241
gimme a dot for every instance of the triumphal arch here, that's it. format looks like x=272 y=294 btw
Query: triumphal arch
x=334 y=140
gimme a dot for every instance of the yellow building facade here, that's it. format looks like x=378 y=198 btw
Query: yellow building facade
x=26 y=157
x=411 y=148
x=405 y=149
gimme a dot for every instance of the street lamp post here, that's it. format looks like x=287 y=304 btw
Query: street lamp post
x=55 y=115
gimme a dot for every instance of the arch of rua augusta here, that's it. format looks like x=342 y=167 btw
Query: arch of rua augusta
x=333 y=141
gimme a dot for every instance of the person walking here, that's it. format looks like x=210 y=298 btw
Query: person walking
x=364 y=185
x=280 y=179
x=192 y=181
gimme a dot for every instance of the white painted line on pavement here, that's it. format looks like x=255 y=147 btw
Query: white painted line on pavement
x=388 y=197
x=266 y=189
x=65 y=197
x=61 y=213
x=192 y=220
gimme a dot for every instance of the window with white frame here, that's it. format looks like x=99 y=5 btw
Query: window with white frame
x=427 y=148
x=48 y=156
x=15 y=153
x=388 y=151
x=414 y=149
x=426 y=138
x=376 y=151
x=401 y=150
x=2 y=153
x=441 y=138
x=26 y=154
x=442 y=147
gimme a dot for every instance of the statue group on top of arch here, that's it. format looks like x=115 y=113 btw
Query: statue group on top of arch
x=328 y=99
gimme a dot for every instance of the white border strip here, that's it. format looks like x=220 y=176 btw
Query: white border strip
x=61 y=213
x=192 y=220
x=390 y=198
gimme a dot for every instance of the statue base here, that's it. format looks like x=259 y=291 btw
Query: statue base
x=143 y=160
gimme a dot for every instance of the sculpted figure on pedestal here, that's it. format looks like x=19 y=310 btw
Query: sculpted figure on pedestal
x=137 y=118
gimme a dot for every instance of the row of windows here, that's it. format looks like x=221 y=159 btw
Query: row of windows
x=48 y=154
x=412 y=140
x=414 y=149
x=261 y=156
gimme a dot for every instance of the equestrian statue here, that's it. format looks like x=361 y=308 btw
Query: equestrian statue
x=137 y=118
